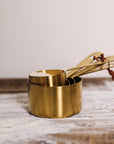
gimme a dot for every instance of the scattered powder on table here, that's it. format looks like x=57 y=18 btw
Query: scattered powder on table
x=39 y=74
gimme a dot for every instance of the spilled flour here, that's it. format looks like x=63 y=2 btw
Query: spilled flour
x=18 y=126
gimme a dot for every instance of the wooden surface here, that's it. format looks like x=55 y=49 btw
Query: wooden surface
x=93 y=125
x=13 y=85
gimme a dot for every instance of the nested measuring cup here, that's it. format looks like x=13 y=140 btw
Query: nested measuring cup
x=50 y=96
x=48 y=77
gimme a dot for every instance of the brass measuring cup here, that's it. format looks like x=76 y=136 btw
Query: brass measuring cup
x=48 y=77
x=60 y=77
x=56 y=101
x=47 y=99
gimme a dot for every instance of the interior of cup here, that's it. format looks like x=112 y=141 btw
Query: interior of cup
x=77 y=79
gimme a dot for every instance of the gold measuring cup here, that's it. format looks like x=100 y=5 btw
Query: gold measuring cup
x=50 y=96
x=48 y=77
x=57 y=101
x=59 y=77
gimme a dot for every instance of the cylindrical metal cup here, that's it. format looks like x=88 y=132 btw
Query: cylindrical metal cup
x=57 y=101
x=49 y=78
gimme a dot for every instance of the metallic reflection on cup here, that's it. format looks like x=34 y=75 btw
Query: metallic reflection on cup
x=57 y=101
x=48 y=78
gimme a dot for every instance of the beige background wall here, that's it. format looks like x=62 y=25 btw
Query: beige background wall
x=41 y=34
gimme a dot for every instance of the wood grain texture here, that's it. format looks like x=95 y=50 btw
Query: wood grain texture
x=13 y=85
x=93 y=125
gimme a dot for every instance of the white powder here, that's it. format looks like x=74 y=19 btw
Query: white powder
x=39 y=74
x=18 y=126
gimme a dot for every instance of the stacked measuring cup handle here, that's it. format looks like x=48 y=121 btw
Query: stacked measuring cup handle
x=58 y=93
x=53 y=95
x=92 y=63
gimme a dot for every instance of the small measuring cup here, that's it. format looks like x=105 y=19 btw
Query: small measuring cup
x=48 y=77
